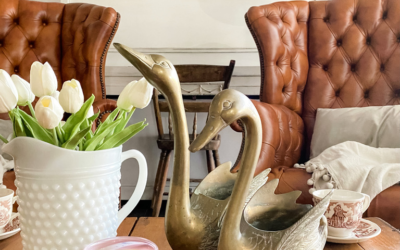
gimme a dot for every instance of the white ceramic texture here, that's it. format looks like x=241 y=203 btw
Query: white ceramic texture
x=68 y=199
x=345 y=210
x=366 y=230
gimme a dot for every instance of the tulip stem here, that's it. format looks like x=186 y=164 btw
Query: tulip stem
x=3 y=139
x=32 y=110
x=55 y=137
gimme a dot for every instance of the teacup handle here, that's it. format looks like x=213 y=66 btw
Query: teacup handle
x=140 y=186
x=367 y=201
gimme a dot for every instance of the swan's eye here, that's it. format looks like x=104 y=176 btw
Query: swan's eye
x=227 y=104
x=164 y=65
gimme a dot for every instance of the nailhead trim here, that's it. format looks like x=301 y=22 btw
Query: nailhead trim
x=101 y=116
x=114 y=30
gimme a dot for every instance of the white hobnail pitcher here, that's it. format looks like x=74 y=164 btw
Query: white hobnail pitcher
x=68 y=199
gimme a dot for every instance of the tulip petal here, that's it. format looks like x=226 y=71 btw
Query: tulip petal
x=49 y=79
x=25 y=94
x=8 y=94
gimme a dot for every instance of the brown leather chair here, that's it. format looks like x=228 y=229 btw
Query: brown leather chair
x=74 y=38
x=322 y=54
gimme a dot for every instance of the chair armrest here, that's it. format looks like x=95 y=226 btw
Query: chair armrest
x=105 y=107
x=282 y=137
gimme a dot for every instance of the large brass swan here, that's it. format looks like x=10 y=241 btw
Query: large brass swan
x=268 y=221
x=190 y=223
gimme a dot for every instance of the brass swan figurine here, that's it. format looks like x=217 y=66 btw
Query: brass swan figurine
x=268 y=221
x=190 y=223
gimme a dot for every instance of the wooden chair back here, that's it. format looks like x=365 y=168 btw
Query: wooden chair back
x=197 y=76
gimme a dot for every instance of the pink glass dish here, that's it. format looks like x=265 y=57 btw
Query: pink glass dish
x=122 y=243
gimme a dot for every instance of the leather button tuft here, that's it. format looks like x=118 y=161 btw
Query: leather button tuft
x=398 y=39
x=31 y=45
x=326 y=19
x=355 y=18
x=44 y=23
x=353 y=68
x=339 y=43
x=16 y=69
x=16 y=21
x=325 y=68
x=337 y=93
x=1 y=44
x=366 y=94
x=368 y=41
x=384 y=16
x=382 y=67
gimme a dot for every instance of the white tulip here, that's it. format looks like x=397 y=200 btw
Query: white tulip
x=90 y=112
x=71 y=96
x=56 y=95
x=25 y=94
x=136 y=94
x=48 y=112
x=123 y=101
x=43 y=79
x=8 y=93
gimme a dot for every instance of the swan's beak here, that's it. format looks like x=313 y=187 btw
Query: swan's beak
x=143 y=62
x=213 y=126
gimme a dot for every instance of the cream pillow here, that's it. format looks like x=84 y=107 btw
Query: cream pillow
x=377 y=126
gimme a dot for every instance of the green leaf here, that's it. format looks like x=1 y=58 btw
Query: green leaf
x=92 y=143
x=34 y=127
x=125 y=120
x=123 y=136
x=72 y=125
x=3 y=139
x=60 y=133
x=74 y=141
x=17 y=123
x=93 y=117
x=109 y=120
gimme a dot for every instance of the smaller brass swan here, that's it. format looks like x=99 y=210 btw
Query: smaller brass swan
x=268 y=221
x=190 y=223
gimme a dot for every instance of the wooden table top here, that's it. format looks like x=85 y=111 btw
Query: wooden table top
x=153 y=229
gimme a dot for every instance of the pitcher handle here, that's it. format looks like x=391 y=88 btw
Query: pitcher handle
x=140 y=186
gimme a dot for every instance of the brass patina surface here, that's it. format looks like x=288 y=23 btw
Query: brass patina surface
x=189 y=223
x=269 y=221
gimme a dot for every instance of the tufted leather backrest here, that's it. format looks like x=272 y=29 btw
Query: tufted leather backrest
x=354 y=56
x=73 y=38
x=30 y=31
x=87 y=33
x=280 y=32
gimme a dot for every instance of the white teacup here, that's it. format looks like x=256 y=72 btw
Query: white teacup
x=7 y=200
x=345 y=210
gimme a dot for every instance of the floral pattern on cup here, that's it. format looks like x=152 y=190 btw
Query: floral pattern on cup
x=364 y=230
x=5 y=211
x=343 y=215
x=12 y=225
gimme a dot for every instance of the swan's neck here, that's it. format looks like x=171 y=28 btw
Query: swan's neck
x=178 y=206
x=231 y=225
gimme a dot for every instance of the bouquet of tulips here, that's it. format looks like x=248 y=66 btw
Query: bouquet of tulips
x=45 y=122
